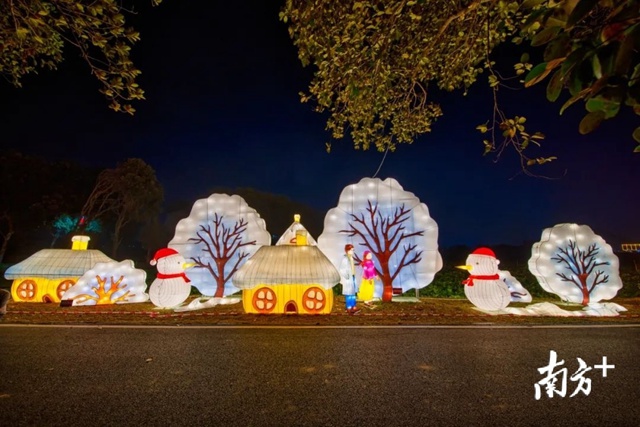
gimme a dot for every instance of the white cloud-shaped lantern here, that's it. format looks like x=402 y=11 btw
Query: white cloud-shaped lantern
x=380 y=216
x=109 y=283
x=219 y=235
x=576 y=264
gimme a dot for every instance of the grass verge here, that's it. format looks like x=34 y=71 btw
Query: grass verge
x=427 y=311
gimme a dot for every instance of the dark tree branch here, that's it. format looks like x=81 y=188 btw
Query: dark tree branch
x=353 y=231
x=403 y=237
x=415 y=258
x=581 y=264
x=570 y=258
x=221 y=245
x=241 y=256
x=383 y=236
x=599 y=278
x=571 y=279
x=375 y=246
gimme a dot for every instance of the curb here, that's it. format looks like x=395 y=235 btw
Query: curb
x=153 y=314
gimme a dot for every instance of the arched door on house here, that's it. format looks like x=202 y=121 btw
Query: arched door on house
x=291 y=308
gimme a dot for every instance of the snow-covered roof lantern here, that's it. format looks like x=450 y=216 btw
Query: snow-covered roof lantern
x=287 y=265
x=46 y=275
x=296 y=234
x=56 y=263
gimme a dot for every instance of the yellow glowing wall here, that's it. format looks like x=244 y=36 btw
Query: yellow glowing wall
x=287 y=299
x=38 y=289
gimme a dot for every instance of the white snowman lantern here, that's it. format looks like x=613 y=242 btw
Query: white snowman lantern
x=171 y=286
x=484 y=288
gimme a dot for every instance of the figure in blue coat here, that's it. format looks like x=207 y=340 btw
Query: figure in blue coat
x=348 y=279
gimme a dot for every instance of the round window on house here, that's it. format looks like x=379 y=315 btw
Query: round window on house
x=27 y=290
x=63 y=287
x=314 y=300
x=264 y=300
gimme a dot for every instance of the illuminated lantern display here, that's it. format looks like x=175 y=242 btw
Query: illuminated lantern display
x=296 y=234
x=518 y=292
x=391 y=223
x=219 y=235
x=484 y=288
x=288 y=278
x=576 y=264
x=109 y=283
x=46 y=275
x=171 y=286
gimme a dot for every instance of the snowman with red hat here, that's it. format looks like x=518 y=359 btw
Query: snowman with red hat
x=484 y=287
x=171 y=286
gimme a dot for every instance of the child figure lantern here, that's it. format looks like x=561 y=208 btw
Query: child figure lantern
x=348 y=279
x=368 y=276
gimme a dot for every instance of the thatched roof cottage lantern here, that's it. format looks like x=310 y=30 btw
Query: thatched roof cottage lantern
x=292 y=277
x=46 y=275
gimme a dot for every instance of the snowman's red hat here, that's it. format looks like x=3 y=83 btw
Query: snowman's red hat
x=162 y=253
x=484 y=251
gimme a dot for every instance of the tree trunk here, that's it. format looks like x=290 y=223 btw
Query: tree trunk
x=585 y=288
x=6 y=236
x=385 y=276
x=387 y=288
x=117 y=234
x=116 y=241
x=585 y=296
x=220 y=279
x=5 y=244
x=387 y=283
x=219 y=290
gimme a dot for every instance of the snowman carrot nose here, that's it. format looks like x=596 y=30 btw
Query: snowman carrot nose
x=188 y=265
x=464 y=267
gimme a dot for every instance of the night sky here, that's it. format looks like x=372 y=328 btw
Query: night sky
x=222 y=80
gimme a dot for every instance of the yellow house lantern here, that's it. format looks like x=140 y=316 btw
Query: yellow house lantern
x=292 y=277
x=46 y=275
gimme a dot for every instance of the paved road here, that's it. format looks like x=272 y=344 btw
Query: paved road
x=180 y=376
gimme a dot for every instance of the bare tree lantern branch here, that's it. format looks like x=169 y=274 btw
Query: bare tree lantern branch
x=576 y=264
x=380 y=216
x=220 y=234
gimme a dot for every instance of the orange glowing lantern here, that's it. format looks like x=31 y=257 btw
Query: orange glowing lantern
x=292 y=277
x=46 y=275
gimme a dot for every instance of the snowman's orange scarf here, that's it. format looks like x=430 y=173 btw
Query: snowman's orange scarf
x=173 y=276
x=469 y=281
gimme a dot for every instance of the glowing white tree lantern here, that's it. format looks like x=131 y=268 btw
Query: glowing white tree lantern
x=380 y=216
x=576 y=264
x=219 y=235
x=109 y=283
